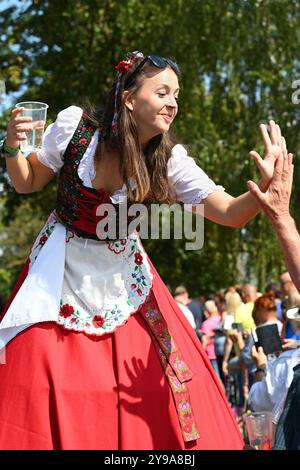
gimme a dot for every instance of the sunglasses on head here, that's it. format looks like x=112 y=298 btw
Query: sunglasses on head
x=157 y=61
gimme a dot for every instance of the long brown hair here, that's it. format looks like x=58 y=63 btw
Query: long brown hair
x=147 y=166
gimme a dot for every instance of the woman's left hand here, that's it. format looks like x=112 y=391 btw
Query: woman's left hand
x=274 y=145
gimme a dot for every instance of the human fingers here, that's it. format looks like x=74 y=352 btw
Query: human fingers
x=290 y=170
x=283 y=144
x=17 y=111
x=287 y=163
x=278 y=133
x=273 y=132
x=254 y=351
x=256 y=156
x=18 y=125
x=265 y=136
x=23 y=119
x=278 y=170
x=255 y=191
x=16 y=130
x=14 y=136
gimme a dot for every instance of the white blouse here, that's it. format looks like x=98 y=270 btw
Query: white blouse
x=191 y=184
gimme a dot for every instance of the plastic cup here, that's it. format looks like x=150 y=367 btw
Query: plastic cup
x=38 y=112
x=259 y=429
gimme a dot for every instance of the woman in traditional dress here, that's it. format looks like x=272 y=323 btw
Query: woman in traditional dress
x=98 y=354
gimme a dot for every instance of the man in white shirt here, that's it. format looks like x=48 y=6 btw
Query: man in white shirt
x=181 y=297
x=270 y=393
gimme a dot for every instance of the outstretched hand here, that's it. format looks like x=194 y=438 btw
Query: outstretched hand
x=274 y=145
x=275 y=201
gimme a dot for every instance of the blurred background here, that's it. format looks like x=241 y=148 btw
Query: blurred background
x=240 y=66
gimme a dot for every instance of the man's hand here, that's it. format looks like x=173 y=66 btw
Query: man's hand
x=275 y=201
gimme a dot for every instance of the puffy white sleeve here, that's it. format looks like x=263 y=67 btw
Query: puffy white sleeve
x=57 y=137
x=191 y=184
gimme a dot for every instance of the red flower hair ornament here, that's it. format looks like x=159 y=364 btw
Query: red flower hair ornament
x=124 y=65
x=122 y=68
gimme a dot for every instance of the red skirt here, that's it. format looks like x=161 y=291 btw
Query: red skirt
x=63 y=390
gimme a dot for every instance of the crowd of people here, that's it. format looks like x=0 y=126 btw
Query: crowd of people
x=224 y=322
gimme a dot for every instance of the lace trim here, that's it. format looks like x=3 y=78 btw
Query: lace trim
x=86 y=169
x=203 y=194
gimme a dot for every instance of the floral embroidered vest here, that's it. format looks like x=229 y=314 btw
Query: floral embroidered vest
x=76 y=203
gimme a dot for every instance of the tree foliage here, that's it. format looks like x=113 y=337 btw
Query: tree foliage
x=238 y=60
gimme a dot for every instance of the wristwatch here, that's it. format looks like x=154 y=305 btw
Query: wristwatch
x=8 y=152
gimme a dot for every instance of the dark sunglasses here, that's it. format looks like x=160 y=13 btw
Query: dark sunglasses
x=157 y=61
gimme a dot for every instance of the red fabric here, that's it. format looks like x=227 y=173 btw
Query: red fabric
x=64 y=390
x=87 y=205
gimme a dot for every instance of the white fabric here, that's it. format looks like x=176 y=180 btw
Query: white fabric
x=102 y=278
x=269 y=393
x=107 y=279
x=191 y=183
x=86 y=169
x=57 y=137
x=278 y=409
x=38 y=297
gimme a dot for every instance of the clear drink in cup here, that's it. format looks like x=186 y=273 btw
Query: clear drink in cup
x=38 y=112
x=259 y=429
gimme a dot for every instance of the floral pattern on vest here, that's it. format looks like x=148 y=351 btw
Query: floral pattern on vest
x=77 y=204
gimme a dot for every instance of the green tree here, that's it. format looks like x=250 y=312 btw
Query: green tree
x=238 y=61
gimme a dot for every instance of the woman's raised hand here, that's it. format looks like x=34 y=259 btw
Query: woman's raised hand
x=274 y=145
x=16 y=128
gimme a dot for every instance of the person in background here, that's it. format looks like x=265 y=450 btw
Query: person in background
x=243 y=318
x=292 y=330
x=194 y=305
x=197 y=309
x=272 y=380
x=286 y=283
x=181 y=297
x=243 y=313
x=207 y=329
x=264 y=313
x=220 y=331
x=287 y=287
x=233 y=302
x=275 y=287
